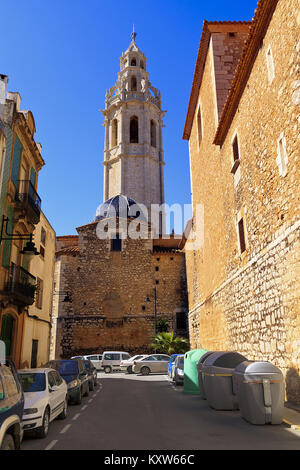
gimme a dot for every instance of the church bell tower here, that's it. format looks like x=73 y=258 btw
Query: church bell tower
x=133 y=151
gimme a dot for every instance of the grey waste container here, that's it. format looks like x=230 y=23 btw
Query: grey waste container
x=199 y=371
x=217 y=377
x=260 y=392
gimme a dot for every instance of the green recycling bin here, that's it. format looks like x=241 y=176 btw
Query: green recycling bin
x=190 y=382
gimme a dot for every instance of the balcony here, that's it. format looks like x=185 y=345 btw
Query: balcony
x=27 y=201
x=20 y=286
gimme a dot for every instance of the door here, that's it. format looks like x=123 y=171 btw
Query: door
x=163 y=362
x=7 y=330
x=53 y=395
x=34 y=352
x=61 y=392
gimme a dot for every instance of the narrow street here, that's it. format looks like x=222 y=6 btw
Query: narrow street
x=146 y=413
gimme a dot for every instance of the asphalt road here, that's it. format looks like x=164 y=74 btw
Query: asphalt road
x=129 y=412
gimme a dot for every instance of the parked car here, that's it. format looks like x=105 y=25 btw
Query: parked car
x=74 y=373
x=46 y=398
x=127 y=364
x=92 y=373
x=155 y=363
x=11 y=407
x=94 y=358
x=178 y=370
x=111 y=360
x=171 y=364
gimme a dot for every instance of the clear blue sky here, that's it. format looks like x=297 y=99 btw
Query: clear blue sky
x=62 y=55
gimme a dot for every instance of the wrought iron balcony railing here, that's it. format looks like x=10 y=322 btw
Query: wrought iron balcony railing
x=27 y=195
x=21 y=284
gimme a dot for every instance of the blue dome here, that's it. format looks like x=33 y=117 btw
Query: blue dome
x=119 y=206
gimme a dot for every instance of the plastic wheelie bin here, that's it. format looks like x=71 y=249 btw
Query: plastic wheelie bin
x=199 y=372
x=217 y=373
x=260 y=392
x=190 y=381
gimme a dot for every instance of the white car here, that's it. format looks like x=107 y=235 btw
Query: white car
x=46 y=398
x=94 y=358
x=127 y=364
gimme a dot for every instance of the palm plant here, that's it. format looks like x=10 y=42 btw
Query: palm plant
x=168 y=343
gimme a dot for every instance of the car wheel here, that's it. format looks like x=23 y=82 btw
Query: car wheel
x=87 y=391
x=145 y=370
x=64 y=412
x=78 y=399
x=8 y=443
x=43 y=430
x=107 y=369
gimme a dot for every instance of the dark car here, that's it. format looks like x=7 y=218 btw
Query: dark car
x=74 y=373
x=11 y=407
x=92 y=373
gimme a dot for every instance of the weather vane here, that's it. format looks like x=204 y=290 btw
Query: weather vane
x=133 y=34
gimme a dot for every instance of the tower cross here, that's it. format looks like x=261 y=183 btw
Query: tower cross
x=133 y=34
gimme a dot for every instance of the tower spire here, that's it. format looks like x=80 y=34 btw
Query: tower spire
x=133 y=34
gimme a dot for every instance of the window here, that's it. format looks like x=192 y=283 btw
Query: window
x=116 y=243
x=236 y=154
x=111 y=357
x=42 y=251
x=156 y=282
x=270 y=65
x=156 y=268
x=134 y=130
x=43 y=236
x=51 y=379
x=39 y=293
x=242 y=239
x=114 y=133
x=133 y=83
x=199 y=126
x=282 y=158
x=133 y=62
x=125 y=357
x=10 y=382
x=58 y=378
x=181 y=321
x=153 y=133
x=232 y=35
x=142 y=65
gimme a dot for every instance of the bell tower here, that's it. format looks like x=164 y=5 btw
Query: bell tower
x=133 y=150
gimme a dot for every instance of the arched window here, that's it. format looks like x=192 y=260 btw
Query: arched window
x=153 y=133
x=133 y=83
x=133 y=62
x=114 y=133
x=142 y=64
x=134 y=130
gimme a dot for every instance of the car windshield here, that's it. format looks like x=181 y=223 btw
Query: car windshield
x=66 y=367
x=33 y=382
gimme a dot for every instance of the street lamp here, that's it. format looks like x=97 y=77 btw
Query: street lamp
x=29 y=250
x=155 y=308
x=67 y=298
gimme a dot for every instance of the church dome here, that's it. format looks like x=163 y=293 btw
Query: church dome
x=120 y=206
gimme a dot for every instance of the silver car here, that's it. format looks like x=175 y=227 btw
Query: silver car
x=152 y=364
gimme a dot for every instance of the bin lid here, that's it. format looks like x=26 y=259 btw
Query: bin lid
x=228 y=359
x=258 y=370
x=203 y=358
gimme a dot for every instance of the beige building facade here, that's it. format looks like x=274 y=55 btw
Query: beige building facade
x=37 y=324
x=243 y=131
